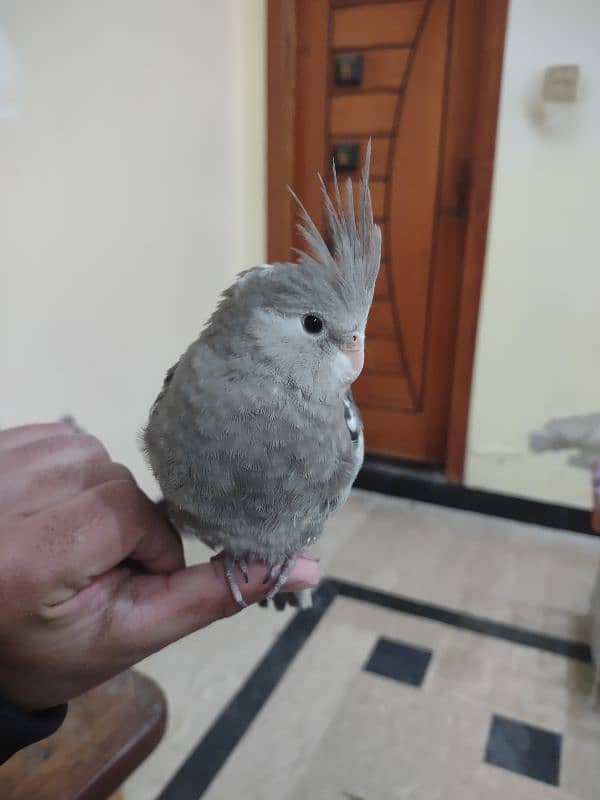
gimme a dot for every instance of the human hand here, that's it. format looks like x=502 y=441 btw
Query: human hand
x=92 y=577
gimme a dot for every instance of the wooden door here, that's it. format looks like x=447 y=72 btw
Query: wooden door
x=413 y=68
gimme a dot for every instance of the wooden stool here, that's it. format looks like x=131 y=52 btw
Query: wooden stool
x=108 y=732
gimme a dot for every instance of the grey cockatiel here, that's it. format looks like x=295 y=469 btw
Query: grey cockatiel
x=255 y=438
x=580 y=434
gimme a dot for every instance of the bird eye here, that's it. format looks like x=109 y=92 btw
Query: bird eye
x=312 y=324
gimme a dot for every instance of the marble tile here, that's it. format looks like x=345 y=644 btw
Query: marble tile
x=199 y=675
x=493 y=783
x=510 y=679
x=392 y=624
x=349 y=522
x=389 y=741
x=328 y=728
x=283 y=738
x=524 y=749
x=581 y=763
x=399 y=661
x=500 y=569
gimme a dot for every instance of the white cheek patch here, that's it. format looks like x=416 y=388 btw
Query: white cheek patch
x=278 y=328
x=287 y=328
x=278 y=333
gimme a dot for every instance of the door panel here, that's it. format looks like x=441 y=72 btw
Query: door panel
x=360 y=114
x=412 y=189
x=415 y=99
x=377 y=25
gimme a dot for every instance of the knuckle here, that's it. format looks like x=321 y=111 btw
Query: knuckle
x=124 y=473
x=119 y=492
x=26 y=572
x=57 y=429
x=92 y=446
x=123 y=497
x=115 y=472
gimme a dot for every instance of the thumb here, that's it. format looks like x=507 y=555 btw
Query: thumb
x=167 y=607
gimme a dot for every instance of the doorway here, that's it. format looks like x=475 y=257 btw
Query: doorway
x=408 y=75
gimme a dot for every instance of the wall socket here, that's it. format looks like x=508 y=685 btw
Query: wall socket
x=560 y=84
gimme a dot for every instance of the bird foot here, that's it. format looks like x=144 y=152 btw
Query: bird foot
x=277 y=572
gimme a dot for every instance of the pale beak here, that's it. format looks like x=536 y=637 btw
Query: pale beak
x=354 y=348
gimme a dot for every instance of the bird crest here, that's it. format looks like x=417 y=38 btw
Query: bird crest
x=354 y=249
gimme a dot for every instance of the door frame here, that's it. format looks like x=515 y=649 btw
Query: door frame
x=281 y=101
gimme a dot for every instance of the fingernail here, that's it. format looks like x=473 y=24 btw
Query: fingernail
x=305 y=575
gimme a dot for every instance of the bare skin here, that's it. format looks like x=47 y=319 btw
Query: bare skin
x=92 y=578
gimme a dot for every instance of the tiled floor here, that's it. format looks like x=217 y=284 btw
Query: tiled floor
x=380 y=703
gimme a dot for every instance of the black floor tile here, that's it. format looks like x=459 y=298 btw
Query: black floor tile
x=524 y=749
x=400 y=661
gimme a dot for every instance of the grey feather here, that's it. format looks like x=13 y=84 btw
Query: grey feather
x=249 y=437
x=356 y=248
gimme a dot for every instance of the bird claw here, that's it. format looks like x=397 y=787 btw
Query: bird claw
x=278 y=572
x=273 y=570
x=284 y=574
x=229 y=562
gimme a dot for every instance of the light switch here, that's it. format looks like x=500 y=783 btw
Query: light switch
x=560 y=84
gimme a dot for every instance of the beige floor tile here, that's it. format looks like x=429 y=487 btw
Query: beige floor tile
x=199 y=675
x=328 y=728
x=488 y=782
x=350 y=521
x=389 y=741
x=392 y=624
x=580 y=771
x=273 y=754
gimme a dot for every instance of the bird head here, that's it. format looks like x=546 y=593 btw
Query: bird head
x=306 y=320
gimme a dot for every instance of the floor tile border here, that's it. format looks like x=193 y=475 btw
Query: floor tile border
x=203 y=764
x=399 y=480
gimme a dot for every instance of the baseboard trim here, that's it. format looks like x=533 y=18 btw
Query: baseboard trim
x=398 y=480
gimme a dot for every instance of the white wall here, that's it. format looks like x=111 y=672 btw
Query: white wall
x=539 y=338
x=131 y=190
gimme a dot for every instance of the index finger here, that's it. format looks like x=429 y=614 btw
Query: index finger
x=25 y=434
x=162 y=609
x=100 y=528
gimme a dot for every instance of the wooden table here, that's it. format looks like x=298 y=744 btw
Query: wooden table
x=108 y=732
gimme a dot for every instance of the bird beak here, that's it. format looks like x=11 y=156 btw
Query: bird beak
x=354 y=348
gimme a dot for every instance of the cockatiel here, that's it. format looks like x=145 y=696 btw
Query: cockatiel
x=580 y=434
x=255 y=438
